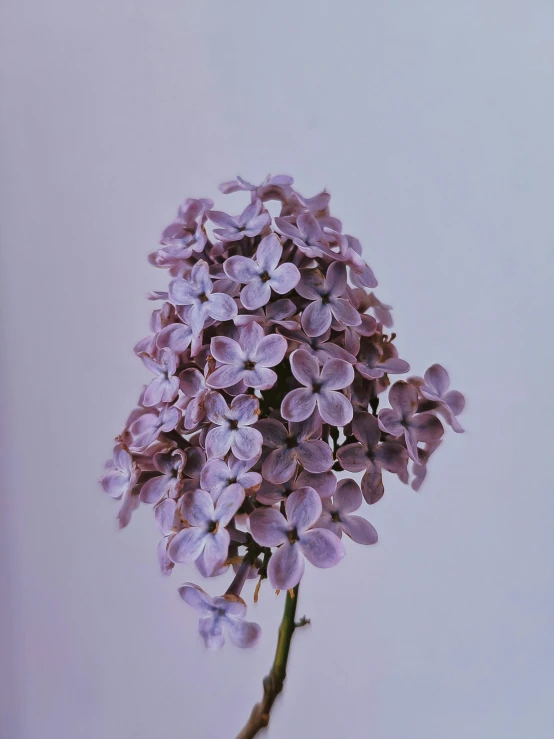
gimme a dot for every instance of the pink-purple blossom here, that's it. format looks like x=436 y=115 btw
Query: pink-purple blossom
x=319 y=391
x=327 y=302
x=206 y=533
x=198 y=293
x=404 y=421
x=263 y=274
x=247 y=360
x=295 y=538
x=219 y=615
x=233 y=427
x=338 y=514
x=272 y=366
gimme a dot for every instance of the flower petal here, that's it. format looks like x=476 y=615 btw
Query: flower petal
x=372 y=487
x=285 y=278
x=214 y=473
x=228 y=503
x=303 y=508
x=335 y=282
x=246 y=442
x=273 y=432
x=177 y=337
x=323 y=483
x=155 y=488
x=280 y=465
x=187 y=545
x=315 y=456
x=334 y=407
x=245 y=409
x=243 y=634
x=359 y=530
x=337 y=374
x=218 y=442
x=353 y=457
x=226 y=350
x=256 y=294
x=197 y=508
x=197 y=598
x=304 y=366
x=391 y=422
x=345 y=312
x=366 y=429
x=437 y=378
x=191 y=382
x=268 y=527
x=427 y=427
x=215 y=550
x=216 y=408
x=298 y=405
x=241 y=269
x=221 y=307
x=182 y=292
x=403 y=398
x=211 y=630
x=270 y=351
x=316 y=318
x=269 y=253
x=322 y=548
x=286 y=566
x=226 y=376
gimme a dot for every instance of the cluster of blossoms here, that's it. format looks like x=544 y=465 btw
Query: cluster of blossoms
x=271 y=359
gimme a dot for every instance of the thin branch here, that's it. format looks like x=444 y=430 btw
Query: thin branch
x=273 y=682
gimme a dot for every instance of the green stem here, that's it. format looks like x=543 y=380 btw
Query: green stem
x=273 y=682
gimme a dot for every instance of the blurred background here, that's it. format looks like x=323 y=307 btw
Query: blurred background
x=431 y=124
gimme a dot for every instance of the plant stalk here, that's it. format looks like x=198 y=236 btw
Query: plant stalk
x=273 y=682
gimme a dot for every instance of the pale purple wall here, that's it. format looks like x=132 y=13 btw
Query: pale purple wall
x=431 y=123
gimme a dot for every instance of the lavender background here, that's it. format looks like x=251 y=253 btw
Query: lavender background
x=431 y=123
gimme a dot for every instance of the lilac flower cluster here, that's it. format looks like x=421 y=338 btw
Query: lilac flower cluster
x=270 y=361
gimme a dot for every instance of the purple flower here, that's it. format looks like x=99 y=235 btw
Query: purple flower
x=370 y=455
x=165 y=386
x=198 y=294
x=247 y=359
x=196 y=392
x=251 y=222
x=262 y=274
x=177 y=337
x=171 y=467
x=295 y=538
x=451 y=402
x=121 y=473
x=351 y=253
x=148 y=426
x=186 y=232
x=337 y=514
x=319 y=391
x=402 y=419
x=306 y=235
x=224 y=612
x=292 y=447
x=206 y=534
x=233 y=427
x=217 y=476
x=325 y=293
x=371 y=365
